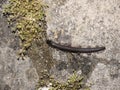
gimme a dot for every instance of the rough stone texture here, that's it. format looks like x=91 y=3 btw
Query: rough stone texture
x=71 y=22
x=102 y=80
x=87 y=23
x=14 y=74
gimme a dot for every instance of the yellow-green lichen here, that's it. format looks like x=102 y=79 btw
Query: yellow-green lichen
x=27 y=18
x=75 y=82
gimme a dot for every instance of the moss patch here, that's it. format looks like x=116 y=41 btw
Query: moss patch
x=75 y=82
x=27 y=20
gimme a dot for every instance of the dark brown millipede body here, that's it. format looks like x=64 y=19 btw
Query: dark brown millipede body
x=74 y=49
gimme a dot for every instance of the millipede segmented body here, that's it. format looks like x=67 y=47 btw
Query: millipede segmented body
x=74 y=49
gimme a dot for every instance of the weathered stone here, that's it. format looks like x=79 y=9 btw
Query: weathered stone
x=71 y=22
x=101 y=80
x=87 y=23
x=14 y=74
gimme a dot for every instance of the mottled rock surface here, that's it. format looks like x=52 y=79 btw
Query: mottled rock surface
x=14 y=74
x=87 y=23
x=77 y=23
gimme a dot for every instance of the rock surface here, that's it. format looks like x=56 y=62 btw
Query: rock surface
x=14 y=74
x=71 y=22
x=87 y=23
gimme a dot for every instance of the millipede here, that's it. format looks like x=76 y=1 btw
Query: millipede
x=73 y=49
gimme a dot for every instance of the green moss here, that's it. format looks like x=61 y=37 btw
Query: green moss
x=75 y=82
x=27 y=18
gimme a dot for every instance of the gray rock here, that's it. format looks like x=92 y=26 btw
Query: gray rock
x=77 y=23
x=87 y=23
x=101 y=78
x=14 y=74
